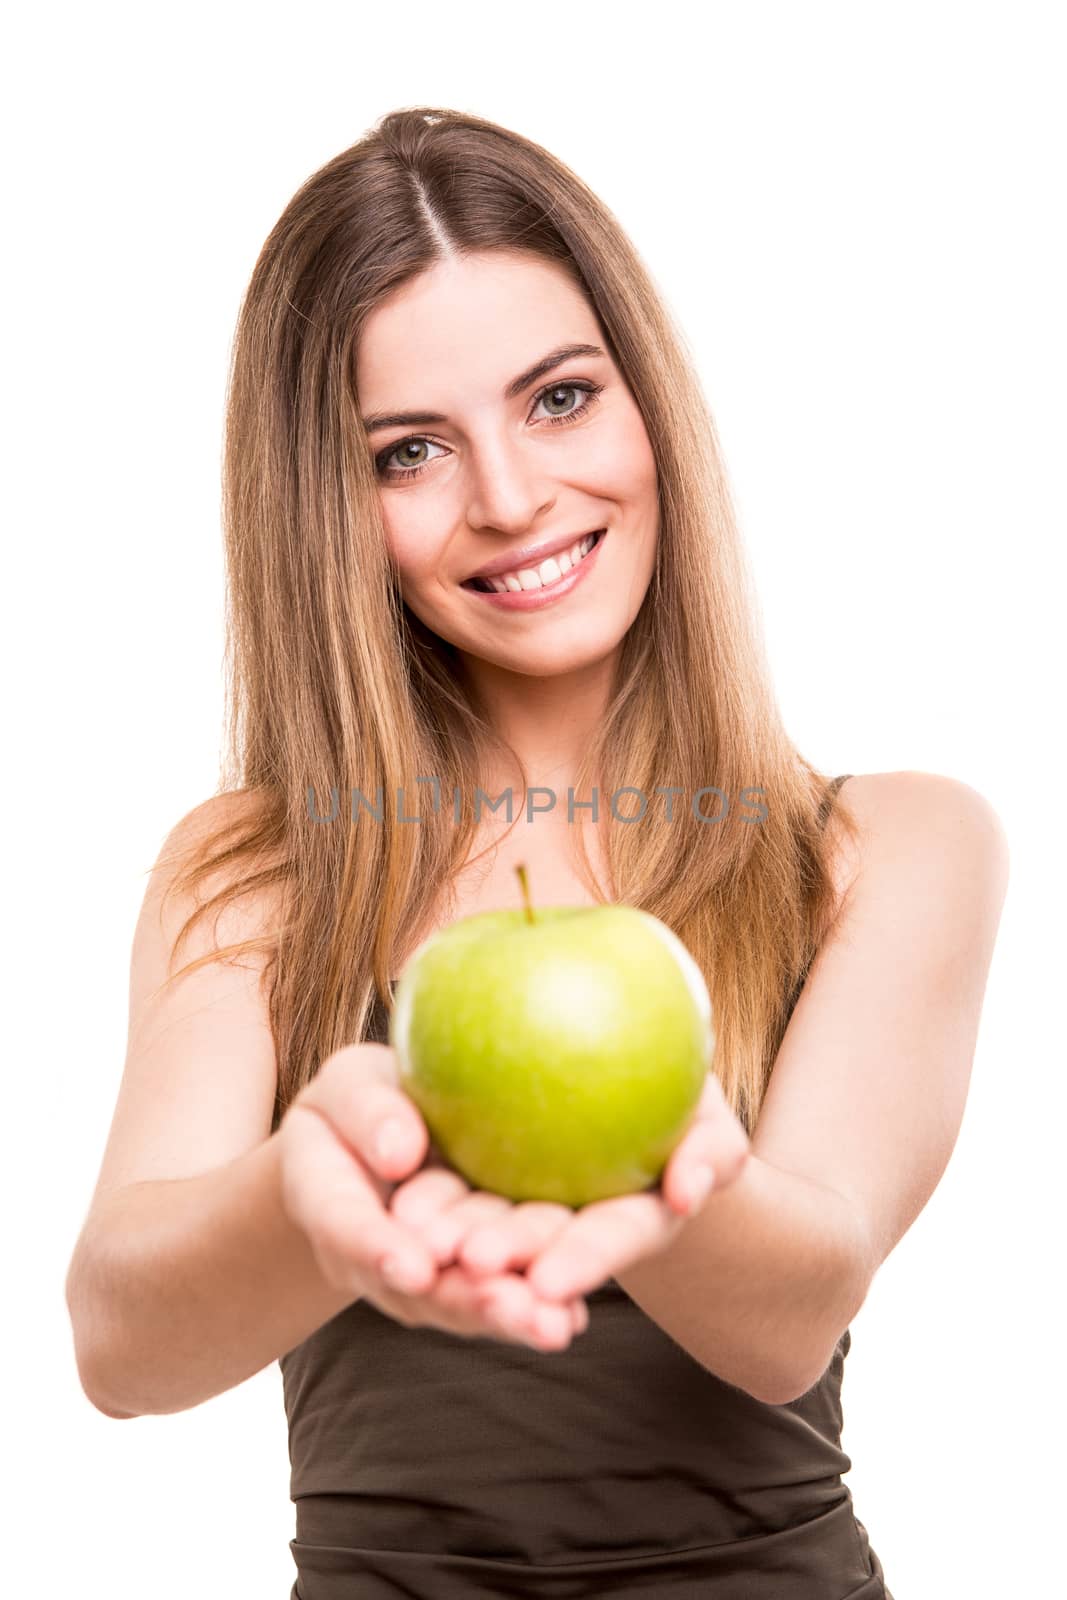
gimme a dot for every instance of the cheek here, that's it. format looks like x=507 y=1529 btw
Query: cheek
x=634 y=465
x=413 y=550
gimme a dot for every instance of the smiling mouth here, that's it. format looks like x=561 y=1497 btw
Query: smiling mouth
x=530 y=578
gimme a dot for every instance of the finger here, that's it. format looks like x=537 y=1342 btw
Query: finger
x=337 y=1203
x=687 y=1183
x=711 y=1155
x=516 y=1239
x=452 y=1224
x=432 y=1190
x=511 y=1313
x=358 y=1087
x=601 y=1240
x=510 y=1306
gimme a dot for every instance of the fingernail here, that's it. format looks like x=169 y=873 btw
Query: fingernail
x=700 y=1186
x=389 y=1140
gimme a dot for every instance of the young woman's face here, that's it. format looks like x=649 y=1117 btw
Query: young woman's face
x=511 y=461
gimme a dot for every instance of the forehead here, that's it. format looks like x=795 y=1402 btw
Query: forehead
x=468 y=324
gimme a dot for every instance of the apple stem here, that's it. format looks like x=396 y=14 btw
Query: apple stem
x=521 y=870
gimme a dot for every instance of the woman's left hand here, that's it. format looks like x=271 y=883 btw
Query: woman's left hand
x=567 y=1252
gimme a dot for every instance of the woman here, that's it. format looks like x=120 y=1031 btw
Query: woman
x=450 y=363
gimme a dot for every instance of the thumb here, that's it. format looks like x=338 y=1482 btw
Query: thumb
x=339 y=1204
x=359 y=1090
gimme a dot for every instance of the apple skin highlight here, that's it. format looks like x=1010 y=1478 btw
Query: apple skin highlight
x=556 y=1059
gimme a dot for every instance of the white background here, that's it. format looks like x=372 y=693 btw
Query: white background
x=856 y=213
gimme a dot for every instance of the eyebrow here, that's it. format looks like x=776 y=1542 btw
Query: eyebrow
x=418 y=419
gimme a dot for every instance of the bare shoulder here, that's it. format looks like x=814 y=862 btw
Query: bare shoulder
x=233 y=809
x=199 y=1080
x=868 y=1089
x=918 y=796
x=224 y=818
x=907 y=818
x=218 y=813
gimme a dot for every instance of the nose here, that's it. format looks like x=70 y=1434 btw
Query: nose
x=508 y=491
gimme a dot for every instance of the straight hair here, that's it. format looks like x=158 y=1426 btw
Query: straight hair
x=332 y=682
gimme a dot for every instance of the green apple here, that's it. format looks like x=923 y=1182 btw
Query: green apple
x=557 y=1054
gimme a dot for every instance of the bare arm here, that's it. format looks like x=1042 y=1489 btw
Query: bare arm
x=183 y=1287
x=864 y=1103
x=212 y=1246
x=188 y=1276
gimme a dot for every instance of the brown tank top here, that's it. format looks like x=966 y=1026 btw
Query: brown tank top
x=429 y=1465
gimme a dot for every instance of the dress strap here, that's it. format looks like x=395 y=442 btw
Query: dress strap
x=828 y=798
x=825 y=806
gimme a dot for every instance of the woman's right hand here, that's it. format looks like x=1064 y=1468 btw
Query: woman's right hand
x=336 y=1187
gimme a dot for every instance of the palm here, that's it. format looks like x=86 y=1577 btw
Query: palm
x=562 y=1251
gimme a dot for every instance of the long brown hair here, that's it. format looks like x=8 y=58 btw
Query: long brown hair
x=334 y=684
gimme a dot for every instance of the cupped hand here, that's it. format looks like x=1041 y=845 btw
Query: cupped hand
x=563 y=1252
x=337 y=1180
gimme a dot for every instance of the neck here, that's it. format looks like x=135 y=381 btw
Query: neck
x=549 y=721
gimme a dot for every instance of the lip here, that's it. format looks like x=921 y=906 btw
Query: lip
x=531 y=556
x=536 y=599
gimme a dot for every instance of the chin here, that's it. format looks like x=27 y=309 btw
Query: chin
x=549 y=658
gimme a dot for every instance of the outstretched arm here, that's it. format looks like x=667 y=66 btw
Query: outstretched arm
x=864 y=1104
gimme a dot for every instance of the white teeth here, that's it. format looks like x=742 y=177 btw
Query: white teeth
x=549 y=571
